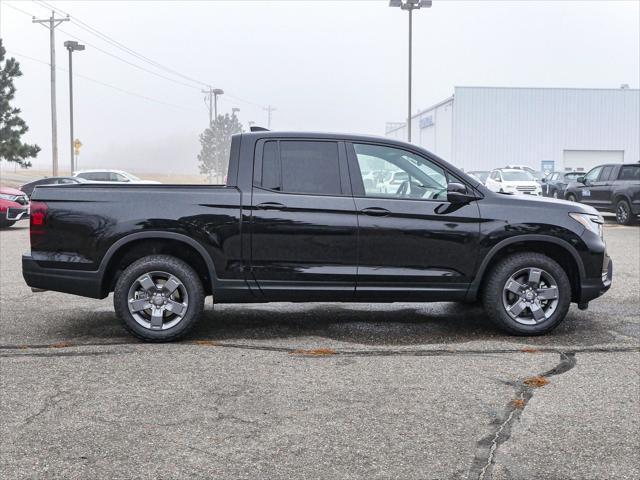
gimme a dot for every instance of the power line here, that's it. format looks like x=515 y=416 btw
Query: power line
x=99 y=82
x=94 y=31
x=85 y=26
x=18 y=9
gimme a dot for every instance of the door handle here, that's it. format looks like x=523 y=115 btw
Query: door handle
x=271 y=206
x=375 y=211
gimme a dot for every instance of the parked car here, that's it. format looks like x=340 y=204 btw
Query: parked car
x=295 y=223
x=111 y=176
x=14 y=206
x=481 y=175
x=29 y=187
x=610 y=188
x=538 y=175
x=511 y=180
x=555 y=184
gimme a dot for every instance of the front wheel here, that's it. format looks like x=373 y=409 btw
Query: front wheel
x=555 y=194
x=159 y=298
x=527 y=294
x=571 y=197
x=6 y=223
x=623 y=213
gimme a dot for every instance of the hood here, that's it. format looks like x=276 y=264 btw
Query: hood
x=555 y=203
x=11 y=191
x=522 y=183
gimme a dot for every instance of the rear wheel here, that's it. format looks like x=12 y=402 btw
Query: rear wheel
x=571 y=197
x=623 y=213
x=159 y=298
x=527 y=294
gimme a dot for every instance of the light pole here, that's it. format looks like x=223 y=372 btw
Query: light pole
x=410 y=6
x=234 y=111
x=71 y=46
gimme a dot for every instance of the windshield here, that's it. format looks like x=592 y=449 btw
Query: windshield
x=517 y=176
x=132 y=177
x=573 y=175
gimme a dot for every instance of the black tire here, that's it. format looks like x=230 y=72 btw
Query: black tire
x=571 y=197
x=555 y=194
x=497 y=278
x=623 y=213
x=190 y=285
x=6 y=223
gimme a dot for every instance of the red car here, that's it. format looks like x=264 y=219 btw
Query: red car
x=14 y=206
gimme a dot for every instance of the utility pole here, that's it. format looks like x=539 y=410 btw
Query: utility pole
x=51 y=23
x=212 y=98
x=269 y=109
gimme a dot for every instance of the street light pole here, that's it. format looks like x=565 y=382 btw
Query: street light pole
x=71 y=46
x=410 y=74
x=410 y=5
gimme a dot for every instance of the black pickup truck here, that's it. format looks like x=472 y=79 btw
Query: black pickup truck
x=610 y=188
x=302 y=218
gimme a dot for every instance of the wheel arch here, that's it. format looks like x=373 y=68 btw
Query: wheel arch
x=552 y=247
x=134 y=246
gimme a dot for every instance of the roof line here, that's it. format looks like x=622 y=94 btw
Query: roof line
x=420 y=112
x=547 y=88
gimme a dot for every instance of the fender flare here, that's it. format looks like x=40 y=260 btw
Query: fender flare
x=474 y=286
x=150 y=235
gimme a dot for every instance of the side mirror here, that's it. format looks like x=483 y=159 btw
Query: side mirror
x=543 y=180
x=499 y=179
x=458 y=193
x=581 y=179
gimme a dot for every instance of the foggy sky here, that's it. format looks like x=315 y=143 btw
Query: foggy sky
x=325 y=66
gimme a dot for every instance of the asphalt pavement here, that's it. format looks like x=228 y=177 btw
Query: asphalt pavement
x=319 y=391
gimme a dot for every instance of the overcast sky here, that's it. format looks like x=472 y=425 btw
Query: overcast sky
x=324 y=65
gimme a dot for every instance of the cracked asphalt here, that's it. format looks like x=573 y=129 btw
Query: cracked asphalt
x=406 y=391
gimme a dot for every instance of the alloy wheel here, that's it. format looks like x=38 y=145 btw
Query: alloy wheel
x=158 y=300
x=622 y=213
x=530 y=296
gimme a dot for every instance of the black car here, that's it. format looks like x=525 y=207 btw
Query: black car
x=29 y=187
x=554 y=184
x=610 y=188
x=296 y=222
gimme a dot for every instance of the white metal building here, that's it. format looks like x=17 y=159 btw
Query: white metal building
x=481 y=128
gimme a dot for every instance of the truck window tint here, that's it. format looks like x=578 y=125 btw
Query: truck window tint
x=310 y=167
x=270 y=166
x=630 y=172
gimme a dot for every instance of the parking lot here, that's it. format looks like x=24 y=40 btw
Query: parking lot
x=279 y=391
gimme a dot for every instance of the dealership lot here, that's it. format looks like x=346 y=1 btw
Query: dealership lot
x=319 y=391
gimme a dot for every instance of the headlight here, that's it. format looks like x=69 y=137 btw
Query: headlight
x=589 y=221
x=11 y=198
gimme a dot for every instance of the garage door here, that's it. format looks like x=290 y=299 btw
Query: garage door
x=585 y=160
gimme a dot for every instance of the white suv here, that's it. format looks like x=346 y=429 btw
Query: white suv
x=511 y=180
x=111 y=176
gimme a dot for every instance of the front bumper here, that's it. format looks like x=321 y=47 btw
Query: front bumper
x=591 y=289
x=17 y=213
x=76 y=282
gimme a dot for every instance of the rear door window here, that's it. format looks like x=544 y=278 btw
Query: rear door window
x=307 y=167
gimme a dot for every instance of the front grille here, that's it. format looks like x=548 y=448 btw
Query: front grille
x=526 y=189
x=16 y=213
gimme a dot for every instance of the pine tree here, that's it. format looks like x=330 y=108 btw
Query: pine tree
x=216 y=145
x=12 y=127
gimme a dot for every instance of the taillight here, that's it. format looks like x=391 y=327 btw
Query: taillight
x=38 y=221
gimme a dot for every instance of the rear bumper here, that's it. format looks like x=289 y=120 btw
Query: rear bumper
x=76 y=282
x=591 y=289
